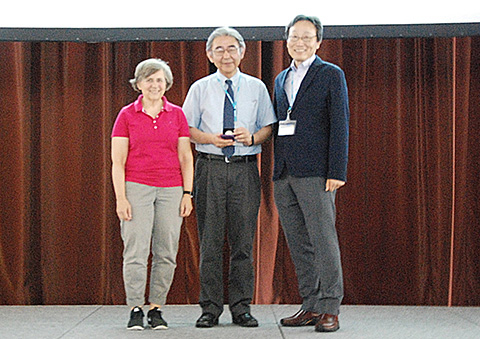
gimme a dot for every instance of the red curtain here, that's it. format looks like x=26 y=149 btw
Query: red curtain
x=408 y=218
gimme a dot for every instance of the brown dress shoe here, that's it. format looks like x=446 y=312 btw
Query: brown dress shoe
x=327 y=323
x=301 y=318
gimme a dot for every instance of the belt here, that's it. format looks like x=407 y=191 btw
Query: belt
x=235 y=158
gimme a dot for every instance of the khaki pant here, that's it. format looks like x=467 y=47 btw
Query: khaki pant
x=155 y=223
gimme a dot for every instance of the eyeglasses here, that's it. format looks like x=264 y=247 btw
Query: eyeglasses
x=232 y=50
x=306 y=39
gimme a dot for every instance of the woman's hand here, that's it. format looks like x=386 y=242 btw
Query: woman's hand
x=124 y=210
x=186 y=205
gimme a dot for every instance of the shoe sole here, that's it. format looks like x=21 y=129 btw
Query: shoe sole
x=215 y=323
x=205 y=326
x=135 y=328
x=304 y=323
x=158 y=327
x=246 y=324
x=322 y=329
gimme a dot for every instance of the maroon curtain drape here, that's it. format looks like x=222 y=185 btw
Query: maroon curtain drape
x=408 y=218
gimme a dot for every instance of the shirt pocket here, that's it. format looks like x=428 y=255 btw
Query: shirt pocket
x=247 y=113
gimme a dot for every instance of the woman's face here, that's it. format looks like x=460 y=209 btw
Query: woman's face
x=153 y=87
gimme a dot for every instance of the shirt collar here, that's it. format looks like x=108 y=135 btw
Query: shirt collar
x=304 y=65
x=235 y=79
x=167 y=106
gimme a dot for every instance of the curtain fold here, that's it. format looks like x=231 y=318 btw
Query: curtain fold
x=16 y=263
x=407 y=218
x=466 y=228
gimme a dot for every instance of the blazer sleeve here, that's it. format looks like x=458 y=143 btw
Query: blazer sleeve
x=339 y=125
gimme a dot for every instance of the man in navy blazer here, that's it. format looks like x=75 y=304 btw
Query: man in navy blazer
x=311 y=153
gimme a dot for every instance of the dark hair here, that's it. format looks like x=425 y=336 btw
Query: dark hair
x=313 y=19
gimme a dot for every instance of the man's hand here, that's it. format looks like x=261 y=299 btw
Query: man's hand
x=243 y=136
x=218 y=141
x=333 y=184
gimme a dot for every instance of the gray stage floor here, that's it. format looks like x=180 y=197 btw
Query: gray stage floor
x=355 y=322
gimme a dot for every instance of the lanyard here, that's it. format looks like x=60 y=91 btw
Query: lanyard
x=292 y=97
x=234 y=103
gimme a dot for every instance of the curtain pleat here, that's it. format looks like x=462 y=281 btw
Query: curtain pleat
x=466 y=227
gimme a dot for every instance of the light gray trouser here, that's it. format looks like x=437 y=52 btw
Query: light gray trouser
x=155 y=221
x=307 y=214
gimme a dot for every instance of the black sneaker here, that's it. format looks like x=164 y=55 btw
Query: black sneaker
x=155 y=320
x=136 y=319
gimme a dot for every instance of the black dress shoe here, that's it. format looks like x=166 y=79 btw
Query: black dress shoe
x=245 y=320
x=207 y=320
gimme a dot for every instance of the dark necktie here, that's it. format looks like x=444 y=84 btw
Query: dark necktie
x=228 y=120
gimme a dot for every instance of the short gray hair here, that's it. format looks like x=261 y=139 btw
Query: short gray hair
x=151 y=66
x=228 y=31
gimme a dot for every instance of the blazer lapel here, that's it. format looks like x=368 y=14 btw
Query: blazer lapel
x=311 y=73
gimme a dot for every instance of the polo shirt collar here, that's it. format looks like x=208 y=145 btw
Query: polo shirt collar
x=167 y=106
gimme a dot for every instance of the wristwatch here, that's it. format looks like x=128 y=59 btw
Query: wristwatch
x=189 y=193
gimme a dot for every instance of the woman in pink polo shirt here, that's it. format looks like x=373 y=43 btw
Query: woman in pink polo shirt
x=152 y=175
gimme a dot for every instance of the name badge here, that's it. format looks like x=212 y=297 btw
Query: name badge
x=286 y=127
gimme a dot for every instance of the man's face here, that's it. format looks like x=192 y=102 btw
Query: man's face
x=302 y=41
x=226 y=55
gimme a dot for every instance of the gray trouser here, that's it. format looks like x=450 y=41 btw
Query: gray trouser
x=227 y=198
x=155 y=221
x=307 y=214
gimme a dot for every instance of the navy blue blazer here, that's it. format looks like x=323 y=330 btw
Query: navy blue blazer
x=319 y=146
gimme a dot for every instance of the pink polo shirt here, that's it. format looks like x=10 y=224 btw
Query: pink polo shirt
x=152 y=151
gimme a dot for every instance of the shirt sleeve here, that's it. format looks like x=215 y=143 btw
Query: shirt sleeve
x=266 y=115
x=183 y=131
x=120 y=127
x=191 y=106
